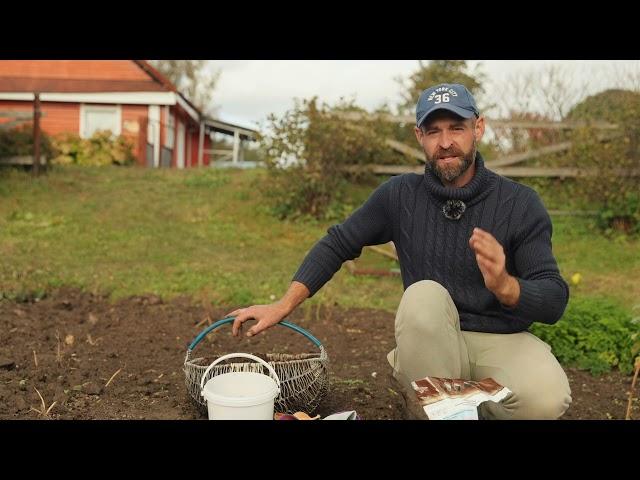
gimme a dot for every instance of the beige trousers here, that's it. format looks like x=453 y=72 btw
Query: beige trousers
x=429 y=342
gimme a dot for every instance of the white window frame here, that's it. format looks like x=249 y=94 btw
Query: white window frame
x=89 y=107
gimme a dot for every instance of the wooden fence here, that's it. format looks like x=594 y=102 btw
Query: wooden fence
x=504 y=165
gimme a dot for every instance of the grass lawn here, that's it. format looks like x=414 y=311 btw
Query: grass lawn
x=208 y=234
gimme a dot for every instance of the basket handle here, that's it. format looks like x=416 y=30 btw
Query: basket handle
x=215 y=325
x=243 y=355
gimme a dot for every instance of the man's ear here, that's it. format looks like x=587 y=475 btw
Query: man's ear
x=418 y=135
x=478 y=131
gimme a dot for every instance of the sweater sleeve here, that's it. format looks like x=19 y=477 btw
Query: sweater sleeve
x=543 y=292
x=368 y=225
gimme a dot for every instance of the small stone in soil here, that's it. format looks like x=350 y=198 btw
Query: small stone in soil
x=65 y=305
x=91 y=388
x=154 y=300
x=7 y=364
x=19 y=404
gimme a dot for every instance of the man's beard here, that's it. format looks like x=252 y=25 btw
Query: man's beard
x=449 y=173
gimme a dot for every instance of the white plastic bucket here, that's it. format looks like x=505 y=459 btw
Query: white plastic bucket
x=240 y=395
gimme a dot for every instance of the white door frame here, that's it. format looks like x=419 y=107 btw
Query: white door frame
x=153 y=133
x=180 y=141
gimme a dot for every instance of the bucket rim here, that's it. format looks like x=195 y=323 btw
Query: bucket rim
x=244 y=401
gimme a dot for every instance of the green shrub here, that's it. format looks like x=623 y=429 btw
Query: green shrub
x=19 y=142
x=594 y=334
x=101 y=149
x=612 y=191
x=306 y=152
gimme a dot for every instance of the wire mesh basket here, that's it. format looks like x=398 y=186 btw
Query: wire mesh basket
x=304 y=379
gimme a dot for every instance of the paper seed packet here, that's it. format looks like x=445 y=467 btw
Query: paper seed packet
x=456 y=399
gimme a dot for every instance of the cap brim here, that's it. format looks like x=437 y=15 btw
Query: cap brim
x=464 y=113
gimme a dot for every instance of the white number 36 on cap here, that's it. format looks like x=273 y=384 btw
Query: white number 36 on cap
x=442 y=98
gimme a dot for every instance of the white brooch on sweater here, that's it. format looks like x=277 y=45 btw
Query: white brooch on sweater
x=453 y=209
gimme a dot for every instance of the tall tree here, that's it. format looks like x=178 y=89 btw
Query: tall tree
x=193 y=78
x=428 y=74
x=434 y=72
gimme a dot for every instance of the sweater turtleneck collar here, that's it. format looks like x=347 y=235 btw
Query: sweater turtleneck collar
x=466 y=193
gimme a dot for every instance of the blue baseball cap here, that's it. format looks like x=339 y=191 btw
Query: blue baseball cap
x=446 y=96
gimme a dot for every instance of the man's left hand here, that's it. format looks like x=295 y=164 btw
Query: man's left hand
x=492 y=263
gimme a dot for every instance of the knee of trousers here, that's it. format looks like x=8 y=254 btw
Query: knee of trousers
x=425 y=307
x=543 y=401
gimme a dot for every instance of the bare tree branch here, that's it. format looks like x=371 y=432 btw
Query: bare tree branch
x=193 y=78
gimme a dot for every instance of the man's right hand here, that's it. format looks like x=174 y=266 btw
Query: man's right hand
x=266 y=315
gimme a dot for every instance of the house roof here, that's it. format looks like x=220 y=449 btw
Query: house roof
x=156 y=75
x=81 y=77
x=62 y=85
x=227 y=128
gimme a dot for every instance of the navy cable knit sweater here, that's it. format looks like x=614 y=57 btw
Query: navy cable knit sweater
x=407 y=209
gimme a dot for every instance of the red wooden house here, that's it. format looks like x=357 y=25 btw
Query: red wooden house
x=128 y=97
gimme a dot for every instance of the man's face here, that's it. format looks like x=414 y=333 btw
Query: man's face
x=449 y=142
